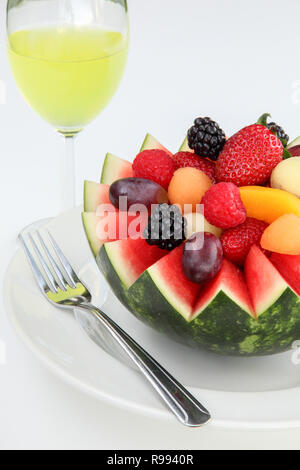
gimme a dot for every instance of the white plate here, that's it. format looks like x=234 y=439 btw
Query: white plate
x=239 y=392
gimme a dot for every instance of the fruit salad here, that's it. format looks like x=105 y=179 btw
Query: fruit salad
x=204 y=244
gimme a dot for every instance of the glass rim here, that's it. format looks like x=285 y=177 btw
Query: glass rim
x=14 y=3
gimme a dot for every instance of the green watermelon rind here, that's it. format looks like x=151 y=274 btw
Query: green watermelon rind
x=151 y=143
x=89 y=221
x=111 y=166
x=120 y=290
x=280 y=323
x=91 y=193
x=223 y=327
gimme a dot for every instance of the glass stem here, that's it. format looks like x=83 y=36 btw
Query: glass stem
x=69 y=180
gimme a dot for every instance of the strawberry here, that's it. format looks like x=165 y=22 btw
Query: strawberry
x=249 y=156
x=236 y=242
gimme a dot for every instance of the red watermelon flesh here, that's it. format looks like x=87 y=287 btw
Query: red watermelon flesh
x=168 y=275
x=151 y=143
x=115 y=168
x=289 y=268
x=264 y=282
x=94 y=195
x=229 y=280
x=115 y=225
x=110 y=223
x=103 y=222
x=102 y=196
x=131 y=258
x=98 y=232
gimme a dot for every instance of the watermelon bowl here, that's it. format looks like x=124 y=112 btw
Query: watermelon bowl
x=254 y=312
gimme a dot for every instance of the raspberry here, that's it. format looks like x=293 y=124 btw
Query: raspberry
x=155 y=165
x=237 y=241
x=223 y=206
x=184 y=159
x=249 y=157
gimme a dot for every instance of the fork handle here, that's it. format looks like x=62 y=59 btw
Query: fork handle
x=179 y=400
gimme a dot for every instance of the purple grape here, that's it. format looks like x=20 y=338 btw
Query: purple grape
x=202 y=257
x=137 y=191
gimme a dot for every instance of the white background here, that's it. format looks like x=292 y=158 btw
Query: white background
x=229 y=59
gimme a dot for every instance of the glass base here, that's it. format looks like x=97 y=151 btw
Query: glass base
x=69 y=132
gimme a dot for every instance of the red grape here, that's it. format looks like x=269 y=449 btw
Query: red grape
x=137 y=191
x=202 y=257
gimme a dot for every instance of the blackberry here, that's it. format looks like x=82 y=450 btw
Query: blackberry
x=166 y=227
x=273 y=127
x=206 y=138
x=279 y=132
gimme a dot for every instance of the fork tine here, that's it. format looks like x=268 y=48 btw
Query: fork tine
x=40 y=279
x=65 y=263
x=61 y=281
x=51 y=280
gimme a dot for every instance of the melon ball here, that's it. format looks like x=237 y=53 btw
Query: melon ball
x=188 y=186
x=196 y=222
x=286 y=176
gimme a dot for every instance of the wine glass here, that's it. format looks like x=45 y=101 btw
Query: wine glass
x=68 y=58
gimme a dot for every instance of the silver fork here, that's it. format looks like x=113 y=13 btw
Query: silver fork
x=62 y=287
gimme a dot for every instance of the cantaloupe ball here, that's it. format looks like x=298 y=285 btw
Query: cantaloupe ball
x=196 y=222
x=187 y=186
x=286 y=176
x=283 y=235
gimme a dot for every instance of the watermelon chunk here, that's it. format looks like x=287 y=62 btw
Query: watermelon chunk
x=265 y=283
x=229 y=282
x=94 y=195
x=114 y=168
x=90 y=222
x=95 y=229
x=167 y=274
x=151 y=143
x=163 y=298
x=130 y=258
x=109 y=227
x=289 y=268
